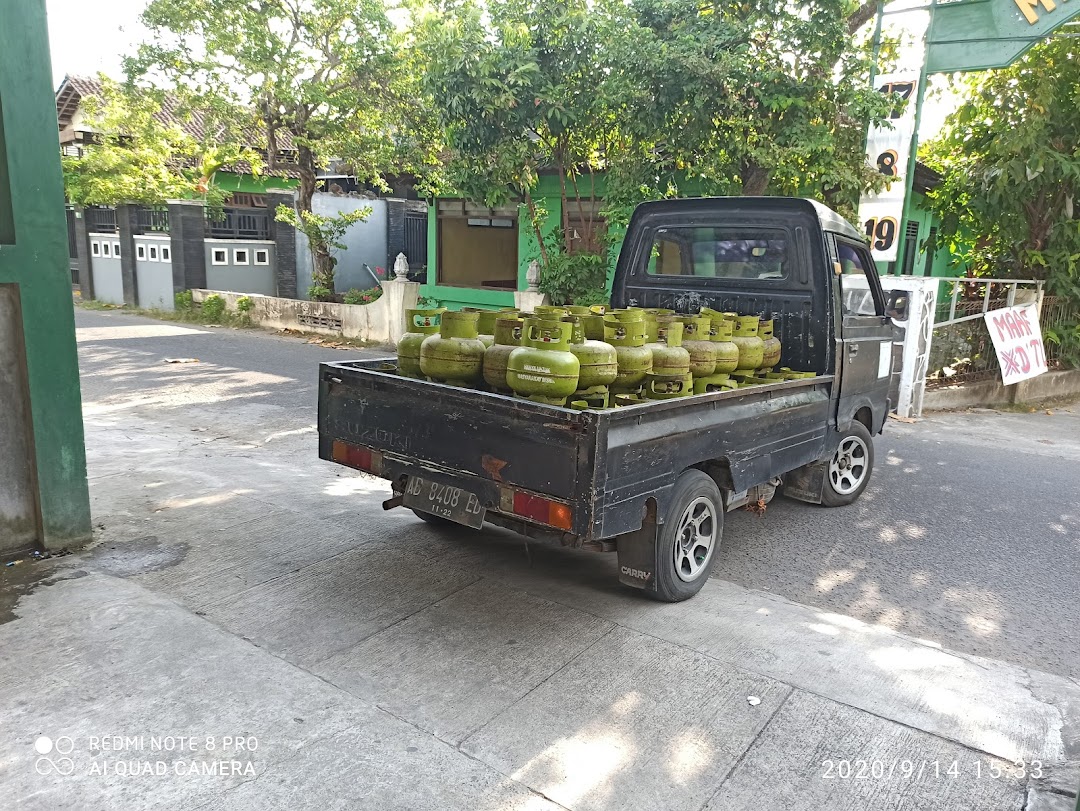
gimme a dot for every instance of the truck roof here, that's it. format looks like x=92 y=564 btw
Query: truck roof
x=826 y=217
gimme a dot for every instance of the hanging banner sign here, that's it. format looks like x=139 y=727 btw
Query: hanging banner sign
x=980 y=34
x=888 y=150
x=1018 y=342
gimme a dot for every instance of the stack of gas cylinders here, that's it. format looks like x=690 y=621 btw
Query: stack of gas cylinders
x=592 y=357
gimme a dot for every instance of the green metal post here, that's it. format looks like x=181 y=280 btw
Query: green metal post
x=909 y=178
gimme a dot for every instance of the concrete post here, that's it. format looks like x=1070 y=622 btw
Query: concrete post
x=187 y=238
x=284 y=236
x=400 y=296
x=127 y=225
x=82 y=249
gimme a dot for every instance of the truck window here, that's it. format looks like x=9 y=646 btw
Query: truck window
x=721 y=252
x=856 y=293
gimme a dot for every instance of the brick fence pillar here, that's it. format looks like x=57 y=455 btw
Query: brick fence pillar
x=127 y=225
x=284 y=236
x=187 y=238
x=82 y=252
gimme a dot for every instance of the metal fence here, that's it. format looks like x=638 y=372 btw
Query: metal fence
x=416 y=233
x=152 y=220
x=961 y=350
x=100 y=219
x=238 y=223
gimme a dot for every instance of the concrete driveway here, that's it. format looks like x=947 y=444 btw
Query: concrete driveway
x=307 y=649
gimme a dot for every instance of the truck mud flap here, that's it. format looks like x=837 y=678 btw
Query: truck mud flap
x=637 y=554
x=805 y=483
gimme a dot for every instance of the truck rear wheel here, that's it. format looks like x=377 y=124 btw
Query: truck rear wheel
x=848 y=471
x=688 y=540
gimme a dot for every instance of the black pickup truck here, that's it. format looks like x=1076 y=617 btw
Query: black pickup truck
x=652 y=482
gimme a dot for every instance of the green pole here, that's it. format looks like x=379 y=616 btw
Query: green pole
x=876 y=53
x=909 y=178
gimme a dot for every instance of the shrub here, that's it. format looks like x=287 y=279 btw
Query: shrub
x=244 y=305
x=577 y=279
x=319 y=293
x=355 y=296
x=213 y=308
x=183 y=302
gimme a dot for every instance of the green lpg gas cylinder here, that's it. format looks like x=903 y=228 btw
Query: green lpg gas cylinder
x=669 y=357
x=697 y=340
x=543 y=368
x=772 y=348
x=599 y=362
x=727 y=353
x=626 y=332
x=668 y=387
x=721 y=382
x=419 y=324
x=751 y=347
x=508 y=328
x=592 y=320
x=455 y=355
x=652 y=318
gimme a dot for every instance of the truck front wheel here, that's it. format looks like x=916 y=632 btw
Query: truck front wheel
x=848 y=471
x=688 y=540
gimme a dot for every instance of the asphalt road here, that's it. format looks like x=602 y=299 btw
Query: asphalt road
x=968 y=536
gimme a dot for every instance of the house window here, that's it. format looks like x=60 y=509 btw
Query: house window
x=262 y=257
x=478 y=246
x=95 y=248
x=219 y=256
x=240 y=256
x=116 y=249
x=166 y=254
x=104 y=248
x=153 y=253
x=140 y=251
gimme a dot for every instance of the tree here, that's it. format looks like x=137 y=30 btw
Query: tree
x=323 y=71
x=142 y=153
x=750 y=99
x=1010 y=160
x=517 y=89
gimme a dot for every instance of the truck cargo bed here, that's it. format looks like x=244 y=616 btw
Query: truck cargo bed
x=603 y=464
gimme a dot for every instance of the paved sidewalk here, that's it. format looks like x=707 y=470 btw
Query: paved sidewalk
x=252 y=631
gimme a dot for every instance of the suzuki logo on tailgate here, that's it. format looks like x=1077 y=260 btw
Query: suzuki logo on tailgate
x=637 y=574
x=368 y=435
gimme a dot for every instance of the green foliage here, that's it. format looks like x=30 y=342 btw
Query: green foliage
x=1011 y=170
x=1067 y=339
x=183 y=301
x=324 y=233
x=368 y=296
x=575 y=279
x=426 y=302
x=136 y=158
x=213 y=308
x=244 y=305
x=319 y=293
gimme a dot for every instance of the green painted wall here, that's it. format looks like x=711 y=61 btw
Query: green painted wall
x=38 y=263
x=548 y=196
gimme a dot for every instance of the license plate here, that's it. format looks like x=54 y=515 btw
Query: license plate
x=445 y=501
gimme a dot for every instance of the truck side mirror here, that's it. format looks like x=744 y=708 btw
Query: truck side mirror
x=897 y=308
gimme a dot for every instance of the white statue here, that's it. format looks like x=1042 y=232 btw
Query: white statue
x=532 y=277
x=401 y=268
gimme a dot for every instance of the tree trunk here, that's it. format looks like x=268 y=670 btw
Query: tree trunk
x=861 y=16
x=322 y=263
x=755 y=178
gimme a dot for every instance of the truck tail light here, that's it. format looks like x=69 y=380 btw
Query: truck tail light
x=536 y=508
x=357 y=456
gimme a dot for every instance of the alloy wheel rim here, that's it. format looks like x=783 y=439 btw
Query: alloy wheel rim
x=695 y=539
x=849 y=465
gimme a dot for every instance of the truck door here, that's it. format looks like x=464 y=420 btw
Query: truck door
x=866 y=335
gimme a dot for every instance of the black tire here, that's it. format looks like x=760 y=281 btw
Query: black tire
x=695 y=502
x=847 y=471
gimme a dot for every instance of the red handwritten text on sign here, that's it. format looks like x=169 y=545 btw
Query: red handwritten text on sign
x=1018 y=342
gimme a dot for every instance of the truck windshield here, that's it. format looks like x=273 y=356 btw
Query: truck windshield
x=724 y=252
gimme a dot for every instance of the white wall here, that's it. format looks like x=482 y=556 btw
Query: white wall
x=364 y=241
